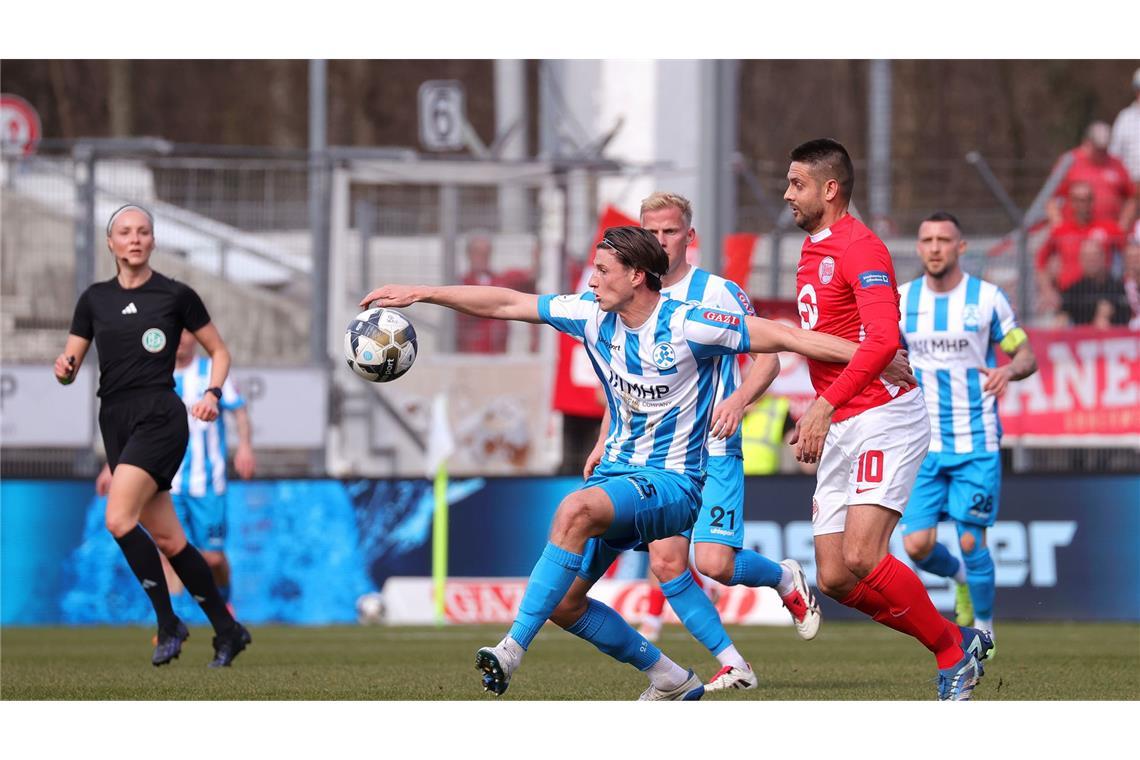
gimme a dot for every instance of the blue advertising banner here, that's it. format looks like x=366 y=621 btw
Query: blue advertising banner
x=304 y=551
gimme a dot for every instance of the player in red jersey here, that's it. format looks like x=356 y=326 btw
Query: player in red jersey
x=868 y=436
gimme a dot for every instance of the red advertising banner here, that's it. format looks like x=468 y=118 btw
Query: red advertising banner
x=1086 y=391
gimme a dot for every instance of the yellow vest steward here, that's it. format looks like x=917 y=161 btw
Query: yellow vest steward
x=762 y=434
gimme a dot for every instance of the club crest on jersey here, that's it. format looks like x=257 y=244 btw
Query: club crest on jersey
x=971 y=317
x=826 y=270
x=664 y=356
x=721 y=318
x=154 y=340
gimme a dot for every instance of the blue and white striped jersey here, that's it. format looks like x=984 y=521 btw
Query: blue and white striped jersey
x=701 y=287
x=660 y=378
x=203 y=469
x=949 y=337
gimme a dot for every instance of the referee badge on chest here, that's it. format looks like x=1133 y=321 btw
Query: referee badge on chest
x=826 y=270
x=154 y=340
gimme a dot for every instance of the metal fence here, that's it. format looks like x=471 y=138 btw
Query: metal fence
x=237 y=225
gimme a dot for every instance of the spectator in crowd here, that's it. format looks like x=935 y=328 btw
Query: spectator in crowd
x=1114 y=194
x=1059 y=259
x=487 y=336
x=1132 y=279
x=1097 y=298
x=1125 y=143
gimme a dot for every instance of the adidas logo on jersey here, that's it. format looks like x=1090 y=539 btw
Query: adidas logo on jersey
x=130 y=309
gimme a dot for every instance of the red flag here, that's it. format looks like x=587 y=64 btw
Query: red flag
x=576 y=388
x=738 y=249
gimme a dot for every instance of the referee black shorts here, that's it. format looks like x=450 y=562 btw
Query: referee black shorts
x=147 y=429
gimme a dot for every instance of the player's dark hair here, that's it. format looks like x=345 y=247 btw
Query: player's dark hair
x=831 y=157
x=638 y=249
x=944 y=216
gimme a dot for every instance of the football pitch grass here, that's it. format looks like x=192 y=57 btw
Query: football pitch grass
x=847 y=661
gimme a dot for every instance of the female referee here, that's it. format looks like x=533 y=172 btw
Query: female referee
x=136 y=319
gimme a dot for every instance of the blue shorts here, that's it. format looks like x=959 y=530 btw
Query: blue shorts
x=649 y=504
x=721 y=520
x=204 y=518
x=965 y=488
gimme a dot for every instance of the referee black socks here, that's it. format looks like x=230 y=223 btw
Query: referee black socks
x=142 y=555
x=199 y=581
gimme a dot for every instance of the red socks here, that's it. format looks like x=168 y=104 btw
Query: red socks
x=656 y=601
x=894 y=596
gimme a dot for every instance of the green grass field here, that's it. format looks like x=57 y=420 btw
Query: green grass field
x=848 y=661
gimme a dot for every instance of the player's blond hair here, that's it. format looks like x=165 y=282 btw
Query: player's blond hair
x=659 y=201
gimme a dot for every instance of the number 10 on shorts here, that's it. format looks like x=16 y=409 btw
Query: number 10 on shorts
x=870 y=467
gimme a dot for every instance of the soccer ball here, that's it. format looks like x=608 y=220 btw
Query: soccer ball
x=370 y=608
x=380 y=345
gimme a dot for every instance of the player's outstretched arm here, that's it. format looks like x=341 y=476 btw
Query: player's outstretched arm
x=68 y=363
x=477 y=300
x=768 y=337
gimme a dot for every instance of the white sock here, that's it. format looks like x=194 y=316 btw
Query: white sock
x=513 y=649
x=652 y=621
x=960 y=576
x=729 y=656
x=666 y=675
x=787 y=584
x=984 y=625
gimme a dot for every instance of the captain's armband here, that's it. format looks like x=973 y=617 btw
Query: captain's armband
x=1013 y=340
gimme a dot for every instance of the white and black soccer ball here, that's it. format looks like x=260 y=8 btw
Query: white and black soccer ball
x=380 y=345
x=370 y=608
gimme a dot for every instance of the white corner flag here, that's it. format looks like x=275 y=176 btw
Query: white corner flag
x=440 y=446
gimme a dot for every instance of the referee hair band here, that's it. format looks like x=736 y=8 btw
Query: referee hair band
x=128 y=207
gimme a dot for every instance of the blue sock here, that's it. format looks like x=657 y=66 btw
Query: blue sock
x=549 y=582
x=980 y=579
x=608 y=631
x=754 y=570
x=941 y=562
x=225 y=592
x=697 y=613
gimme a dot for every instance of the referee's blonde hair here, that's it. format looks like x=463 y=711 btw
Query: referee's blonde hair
x=659 y=200
x=129 y=207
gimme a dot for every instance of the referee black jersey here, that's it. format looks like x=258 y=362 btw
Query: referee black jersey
x=137 y=331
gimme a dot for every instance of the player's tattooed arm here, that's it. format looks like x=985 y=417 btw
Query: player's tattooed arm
x=1023 y=363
